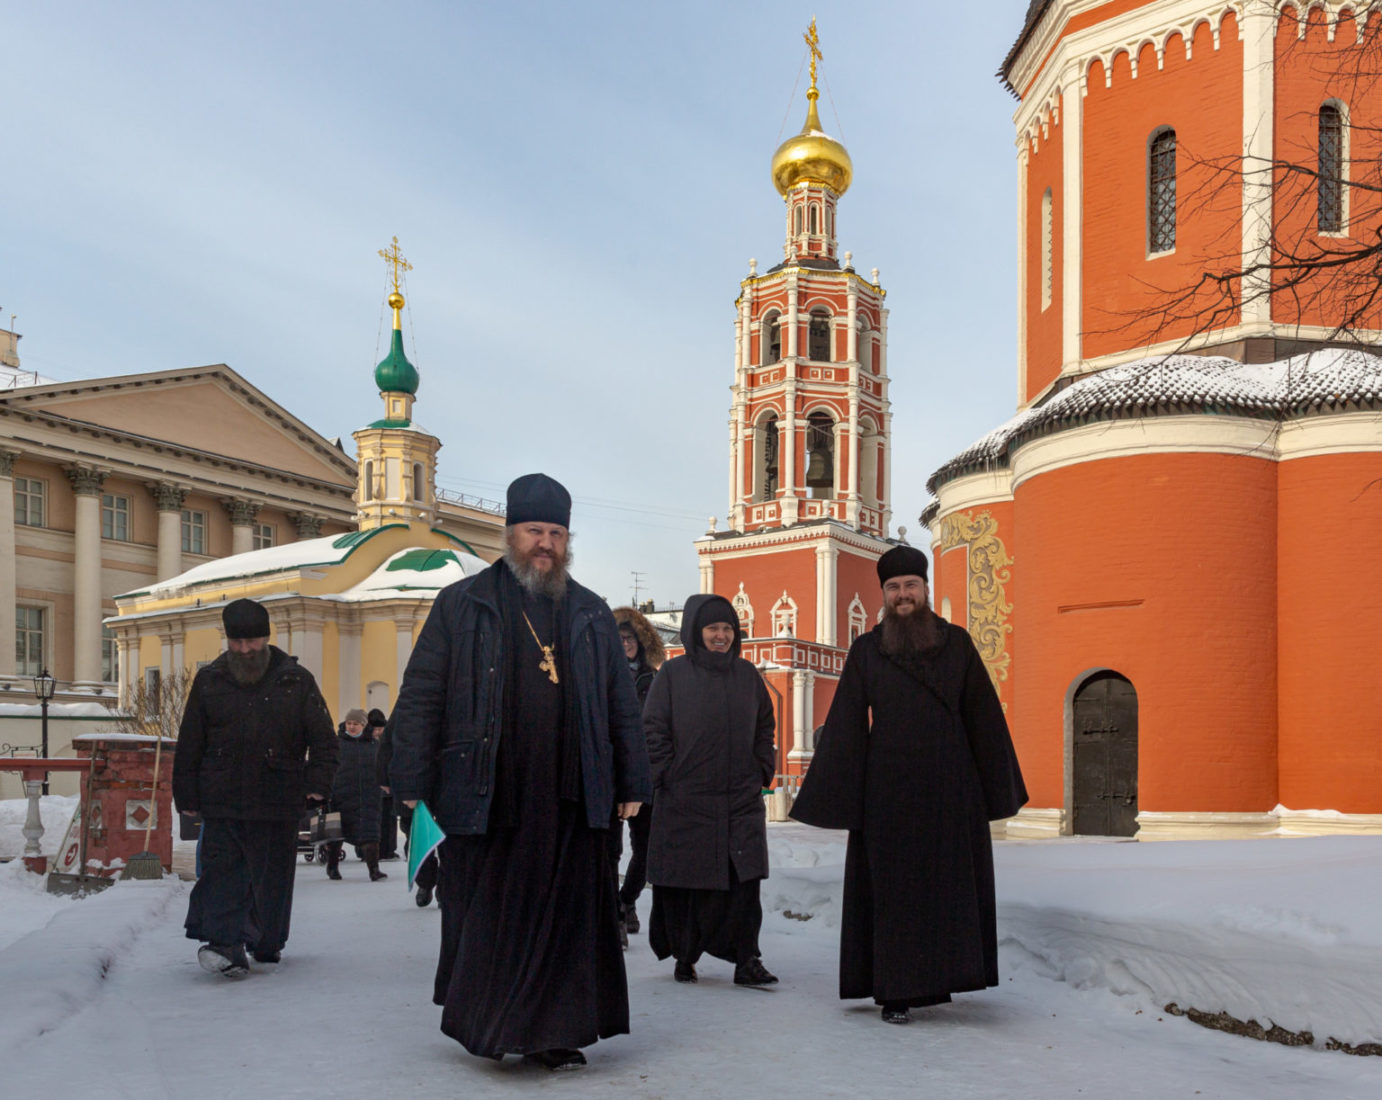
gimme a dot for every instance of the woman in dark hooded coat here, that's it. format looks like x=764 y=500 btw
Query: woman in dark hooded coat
x=356 y=794
x=645 y=653
x=709 y=722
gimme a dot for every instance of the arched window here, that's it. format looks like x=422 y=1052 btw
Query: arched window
x=767 y=474
x=818 y=344
x=1047 y=251
x=419 y=483
x=772 y=338
x=815 y=218
x=785 y=617
x=820 y=454
x=1331 y=169
x=796 y=222
x=744 y=610
x=829 y=222
x=368 y=487
x=1161 y=192
x=858 y=618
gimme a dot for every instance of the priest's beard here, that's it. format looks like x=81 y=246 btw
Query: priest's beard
x=535 y=580
x=914 y=635
x=248 y=668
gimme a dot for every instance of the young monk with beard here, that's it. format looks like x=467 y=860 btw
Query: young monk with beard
x=256 y=742
x=914 y=760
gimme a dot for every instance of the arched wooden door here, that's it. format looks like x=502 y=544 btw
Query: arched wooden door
x=1105 y=757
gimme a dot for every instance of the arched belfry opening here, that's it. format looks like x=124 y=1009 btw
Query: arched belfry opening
x=820 y=455
x=1103 y=756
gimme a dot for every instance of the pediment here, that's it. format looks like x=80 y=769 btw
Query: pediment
x=206 y=409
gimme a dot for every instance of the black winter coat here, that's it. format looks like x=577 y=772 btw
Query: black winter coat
x=253 y=752
x=356 y=790
x=448 y=717
x=710 y=741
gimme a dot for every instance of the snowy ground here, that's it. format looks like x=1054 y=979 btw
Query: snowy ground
x=102 y=997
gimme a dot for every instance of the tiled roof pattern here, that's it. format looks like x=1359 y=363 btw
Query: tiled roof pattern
x=1304 y=385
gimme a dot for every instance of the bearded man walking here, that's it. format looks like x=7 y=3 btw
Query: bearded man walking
x=517 y=722
x=256 y=743
x=916 y=787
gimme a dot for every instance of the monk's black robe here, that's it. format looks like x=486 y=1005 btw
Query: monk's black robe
x=916 y=787
x=530 y=956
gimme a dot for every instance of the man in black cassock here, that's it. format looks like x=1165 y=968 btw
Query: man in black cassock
x=916 y=788
x=517 y=722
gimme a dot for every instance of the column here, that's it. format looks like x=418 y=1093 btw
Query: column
x=827 y=562
x=1023 y=152
x=403 y=650
x=707 y=564
x=309 y=526
x=349 y=690
x=1072 y=190
x=787 y=450
x=1259 y=75
x=7 y=564
x=850 y=490
x=243 y=514
x=86 y=580
x=803 y=715
x=169 y=498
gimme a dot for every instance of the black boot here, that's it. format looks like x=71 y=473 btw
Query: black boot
x=371 y=854
x=333 y=860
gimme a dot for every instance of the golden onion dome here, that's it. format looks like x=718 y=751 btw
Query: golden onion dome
x=812 y=156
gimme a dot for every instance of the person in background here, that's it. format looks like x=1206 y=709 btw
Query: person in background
x=254 y=746
x=388 y=812
x=645 y=653
x=356 y=794
x=709 y=722
x=430 y=868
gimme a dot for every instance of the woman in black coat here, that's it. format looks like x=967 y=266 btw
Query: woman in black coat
x=709 y=722
x=356 y=794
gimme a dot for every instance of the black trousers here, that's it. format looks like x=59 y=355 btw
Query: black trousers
x=388 y=828
x=245 y=892
x=636 y=873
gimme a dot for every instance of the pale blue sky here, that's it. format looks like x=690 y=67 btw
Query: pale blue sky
x=579 y=187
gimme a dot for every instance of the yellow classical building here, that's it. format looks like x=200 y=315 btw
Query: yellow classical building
x=347 y=605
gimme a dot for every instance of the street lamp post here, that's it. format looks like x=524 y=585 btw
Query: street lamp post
x=44 y=686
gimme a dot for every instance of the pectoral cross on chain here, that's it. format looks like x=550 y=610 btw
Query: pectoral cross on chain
x=548 y=664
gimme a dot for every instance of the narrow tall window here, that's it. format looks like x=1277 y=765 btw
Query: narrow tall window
x=1331 y=170
x=1048 y=255
x=768 y=485
x=115 y=517
x=813 y=220
x=193 y=532
x=1161 y=192
x=29 y=494
x=110 y=651
x=28 y=640
x=773 y=339
x=818 y=346
x=419 y=483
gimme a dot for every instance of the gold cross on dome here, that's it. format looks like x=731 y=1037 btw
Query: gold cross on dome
x=813 y=43
x=394 y=258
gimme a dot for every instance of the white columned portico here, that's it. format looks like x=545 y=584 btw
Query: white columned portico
x=7 y=563
x=1072 y=191
x=803 y=715
x=86 y=580
x=707 y=564
x=1259 y=77
x=169 y=499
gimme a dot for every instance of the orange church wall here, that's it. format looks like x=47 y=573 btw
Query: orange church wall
x=1202 y=99
x=1310 y=72
x=854 y=574
x=1043 y=349
x=1162 y=568
x=764 y=577
x=1330 y=524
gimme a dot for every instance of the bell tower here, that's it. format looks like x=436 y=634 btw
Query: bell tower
x=809 y=458
x=396 y=460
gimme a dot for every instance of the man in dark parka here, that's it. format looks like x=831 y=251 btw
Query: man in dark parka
x=916 y=788
x=255 y=744
x=709 y=721
x=517 y=722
